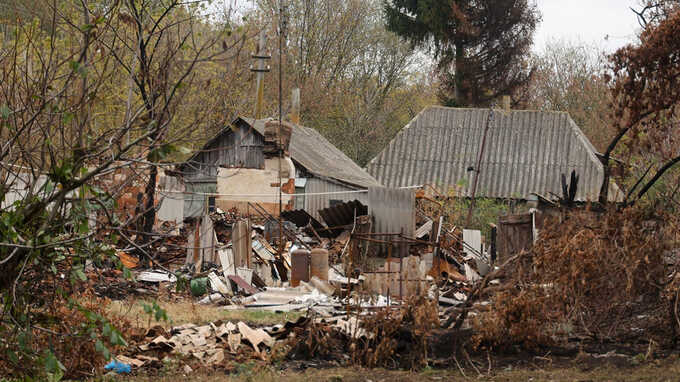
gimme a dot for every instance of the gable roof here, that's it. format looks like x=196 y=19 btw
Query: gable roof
x=312 y=151
x=320 y=157
x=525 y=153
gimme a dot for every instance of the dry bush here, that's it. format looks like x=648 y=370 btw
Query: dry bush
x=587 y=275
x=388 y=338
x=397 y=339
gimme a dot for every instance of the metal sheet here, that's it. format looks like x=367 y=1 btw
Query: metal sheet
x=243 y=284
x=323 y=193
x=393 y=211
x=299 y=267
x=343 y=213
x=301 y=218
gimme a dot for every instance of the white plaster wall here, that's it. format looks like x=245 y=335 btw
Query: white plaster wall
x=255 y=185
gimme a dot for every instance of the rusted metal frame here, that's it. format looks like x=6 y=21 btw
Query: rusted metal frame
x=291 y=235
x=389 y=282
x=402 y=241
x=401 y=269
x=309 y=226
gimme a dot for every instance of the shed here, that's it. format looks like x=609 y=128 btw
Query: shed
x=323 y=174
x=523 y=154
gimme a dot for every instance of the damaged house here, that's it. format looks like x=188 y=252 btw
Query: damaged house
x=508 y=154
x=242 y=163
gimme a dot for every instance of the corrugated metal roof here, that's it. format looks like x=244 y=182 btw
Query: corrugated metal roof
x=342 y=214
x=525 y=152
x=321 y=158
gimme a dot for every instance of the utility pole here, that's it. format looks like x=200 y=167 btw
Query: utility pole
x=477 y=169
x=260 y=55
x=282 y=33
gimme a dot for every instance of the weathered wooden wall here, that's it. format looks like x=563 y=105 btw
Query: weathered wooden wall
x=514 y=234
x=241 y=147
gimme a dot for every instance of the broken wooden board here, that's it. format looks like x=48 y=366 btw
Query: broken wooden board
x=218 y=285
x=424 y=229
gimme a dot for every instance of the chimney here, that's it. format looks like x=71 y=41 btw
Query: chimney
x=295 y=106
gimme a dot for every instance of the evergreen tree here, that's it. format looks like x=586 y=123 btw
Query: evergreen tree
x=480 y=45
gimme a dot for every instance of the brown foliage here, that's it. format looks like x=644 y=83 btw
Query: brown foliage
x=646 y=100
x=399 y=339
x=587 y=275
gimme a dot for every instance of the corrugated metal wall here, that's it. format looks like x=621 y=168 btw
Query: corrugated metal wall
x=393 y=211
x=313 y=203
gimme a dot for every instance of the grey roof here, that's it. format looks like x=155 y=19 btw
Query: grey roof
x=311 y=150
x=525 y=153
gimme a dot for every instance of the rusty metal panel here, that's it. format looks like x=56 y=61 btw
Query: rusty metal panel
x=514 y=234
x=525 y=152
x=299 y=264
x=393 y=211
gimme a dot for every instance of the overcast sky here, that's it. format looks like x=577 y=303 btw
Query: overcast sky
x=608 y=24
x=587 y=21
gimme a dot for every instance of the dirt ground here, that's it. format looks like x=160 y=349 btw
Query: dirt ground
x=611 y=366
x=658 y=370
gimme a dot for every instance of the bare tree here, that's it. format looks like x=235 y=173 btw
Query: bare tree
x=646 y=99
x=67 y=122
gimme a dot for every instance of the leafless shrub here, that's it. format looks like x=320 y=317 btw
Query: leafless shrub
x=587 y=275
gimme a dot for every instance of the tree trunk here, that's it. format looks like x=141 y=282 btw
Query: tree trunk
x=459 y=95
x=149 y=217
x=604 y=188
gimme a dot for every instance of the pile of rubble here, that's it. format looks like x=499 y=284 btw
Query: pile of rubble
x=341 y=275
x=296 y=262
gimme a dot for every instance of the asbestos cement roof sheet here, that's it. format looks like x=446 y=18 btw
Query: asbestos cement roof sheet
x=525 y=153
x=318 y=156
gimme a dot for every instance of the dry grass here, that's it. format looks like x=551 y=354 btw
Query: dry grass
x=665 y=370
x=183 y=312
